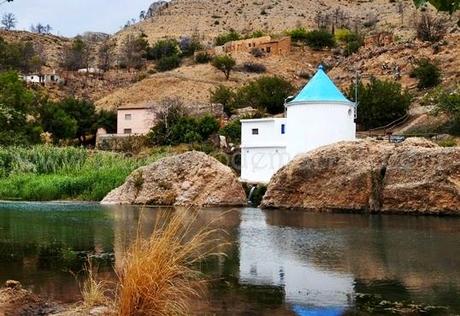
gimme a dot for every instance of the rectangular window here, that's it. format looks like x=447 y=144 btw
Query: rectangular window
x=128 y=117
x=269 y=49
x=255 y=131
x=128 y=131
x=283 y=129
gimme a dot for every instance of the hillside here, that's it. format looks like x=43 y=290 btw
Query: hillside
x=212 y=17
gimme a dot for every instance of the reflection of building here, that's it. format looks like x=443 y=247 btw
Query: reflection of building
x=135 y=119
x=268 y=257
x=319 y=115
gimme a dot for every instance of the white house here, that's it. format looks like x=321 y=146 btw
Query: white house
x=135 y=119
x=319 y=115
x=44 y=79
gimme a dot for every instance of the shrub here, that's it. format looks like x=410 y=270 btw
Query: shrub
x=257 y=52
x=225 y=96
x=320 y=39
x=175 y=126
x=380 y=103
x=448 y=102
x=224 y=63
x=163 y=48
x=298 y=34
x=232 y=131
x=189 y=45
x=168 y=63
x=427 y=73
x=203 y=58
x=342 y=35
x=265 y=93
x=227 y=37
x=255 y=68
x=431 y=29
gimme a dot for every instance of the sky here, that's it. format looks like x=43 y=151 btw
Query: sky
x=73 y=17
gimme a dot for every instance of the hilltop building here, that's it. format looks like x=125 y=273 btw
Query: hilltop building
x=135 y=119
x=319 y=115
x=43 y=79
x=265 y=44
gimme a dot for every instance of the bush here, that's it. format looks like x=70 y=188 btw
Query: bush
x=227 y=37
x=254 y=68
x=448 y=102
x=232 y=131
x=163 y=48
x=189 y=45
x=257 y=52
x=265 y=93
x=431 y=29
x=225 y=96
x=168 y=63
x=203 y=58
x=320 y=39
x=175 y=126
x=427 y=73
x=224 y=63
x=298 y=34
x=380 y=103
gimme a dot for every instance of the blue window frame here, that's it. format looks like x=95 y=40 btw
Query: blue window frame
x=283 y=129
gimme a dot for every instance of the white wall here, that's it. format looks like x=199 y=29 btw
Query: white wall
x=141 y=121
x=310 y=126
x=265 y=153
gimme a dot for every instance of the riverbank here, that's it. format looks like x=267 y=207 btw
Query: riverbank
x=46 y=173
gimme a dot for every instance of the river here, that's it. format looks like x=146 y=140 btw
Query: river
x=278 y=262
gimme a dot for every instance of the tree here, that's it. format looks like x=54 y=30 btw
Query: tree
x=8 y=21
x=320 y=39
x=427 y=73
x=447 y=101
x=84 y=113
x=224 y=63
x=161 y=49
x=77 y=55
x=266 y=93
x=105 y=55
x=107 y=120
x=17 y=105
x=225 y=96
x=380 y=102
x=189 y=45
x=441 y=5
x=168 y=63
x=227 y=37
x=55 y=120
x=20 y=56
x=41 y=28
x=133 y=50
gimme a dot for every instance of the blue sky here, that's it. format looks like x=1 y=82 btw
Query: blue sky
x=72 y=17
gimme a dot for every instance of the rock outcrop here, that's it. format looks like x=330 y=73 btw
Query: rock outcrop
x=415 y=176
x=190 y=179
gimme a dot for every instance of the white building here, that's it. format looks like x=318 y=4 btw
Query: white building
x=319 y=115
x=135 y=119
x=43 y=79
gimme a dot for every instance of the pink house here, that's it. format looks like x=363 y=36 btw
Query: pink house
x=135 y=119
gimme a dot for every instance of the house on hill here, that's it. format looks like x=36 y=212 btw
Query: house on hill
x=135 y=119
x=43 y=79
x=319 y=115
x=265 y=44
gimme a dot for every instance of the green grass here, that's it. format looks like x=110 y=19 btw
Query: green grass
x=45 y=173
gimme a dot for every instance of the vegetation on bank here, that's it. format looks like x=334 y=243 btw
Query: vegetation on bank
x=44 y=173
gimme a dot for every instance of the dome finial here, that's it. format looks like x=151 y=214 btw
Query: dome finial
x=320 y=67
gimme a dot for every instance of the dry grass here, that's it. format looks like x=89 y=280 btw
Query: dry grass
x=159 y=275
x=94 y=292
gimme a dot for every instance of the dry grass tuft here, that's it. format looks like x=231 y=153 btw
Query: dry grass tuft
x=159 y=275
x=94 y=293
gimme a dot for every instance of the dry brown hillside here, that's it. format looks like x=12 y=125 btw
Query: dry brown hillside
x=212 y=17
x=49 y=46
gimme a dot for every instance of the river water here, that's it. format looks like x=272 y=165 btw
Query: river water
x=278 y=262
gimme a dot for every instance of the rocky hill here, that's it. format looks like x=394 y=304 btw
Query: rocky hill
x=212 y=17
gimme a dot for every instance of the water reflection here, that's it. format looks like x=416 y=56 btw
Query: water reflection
x=278 y=262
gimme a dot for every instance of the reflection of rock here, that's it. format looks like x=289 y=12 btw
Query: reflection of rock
x=193 y=178
x=415 y=176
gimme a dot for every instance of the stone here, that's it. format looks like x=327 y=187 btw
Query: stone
x=415 y=176
x=190 y=179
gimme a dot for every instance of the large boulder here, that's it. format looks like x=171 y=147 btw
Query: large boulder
x=415 y=176
x=190 y=179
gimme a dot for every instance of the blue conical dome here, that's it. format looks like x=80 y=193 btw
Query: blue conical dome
x=320 y=89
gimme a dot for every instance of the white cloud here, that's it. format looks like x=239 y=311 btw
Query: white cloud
x=72 y=17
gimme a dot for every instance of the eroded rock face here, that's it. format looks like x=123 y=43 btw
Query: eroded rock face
x=415 y=176
x=190 y=179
